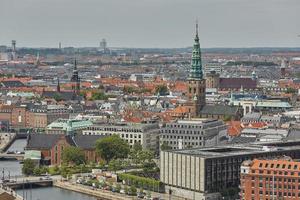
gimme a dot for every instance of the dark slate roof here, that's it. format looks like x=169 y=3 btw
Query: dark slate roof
x=219 y=110
x=10 y=84
x=240 y=140
x=236 y=83
x=47 y=141
x=63 y=95
x=86 y=141
x=42 y=141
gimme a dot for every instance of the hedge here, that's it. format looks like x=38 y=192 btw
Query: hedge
x=142 y=182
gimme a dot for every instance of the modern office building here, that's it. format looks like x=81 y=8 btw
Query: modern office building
x=202 y=173
x=270 y=179
x=145 y=134
x=193 y=133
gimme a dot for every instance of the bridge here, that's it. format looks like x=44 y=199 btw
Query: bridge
x=28 y=183
x=6 y=156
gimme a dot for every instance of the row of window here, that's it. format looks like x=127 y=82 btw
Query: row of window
x=181 y=137
x=282 y=166
x=185 y=143
x=276 y=172
x=183 y=126
x=276 y=186
x=181 y=131
x=94 y=128
x=122 y=135
x=280 y=194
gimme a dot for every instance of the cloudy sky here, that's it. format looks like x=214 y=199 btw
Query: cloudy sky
x=150 y=23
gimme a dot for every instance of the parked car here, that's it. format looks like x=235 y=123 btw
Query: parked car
x=122 y=191
x=140 y=195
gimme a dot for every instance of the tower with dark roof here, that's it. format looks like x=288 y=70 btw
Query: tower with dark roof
x=58 y=85
x=196 y=82
x=75 y=80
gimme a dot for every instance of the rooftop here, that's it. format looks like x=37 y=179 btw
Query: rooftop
x=239 y=149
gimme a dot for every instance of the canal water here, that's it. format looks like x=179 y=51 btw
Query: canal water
x=53 y=193
x=18 y=145
x=14 y=168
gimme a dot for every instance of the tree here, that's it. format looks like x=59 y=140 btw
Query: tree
x=161 y=90
x=137 y=146
x=133 y=190
x=112 y=147
x=165 y=146
x=73 y=155
x=99 y=96
x=28 y=167
x=290 y=91
x=57 y=97
x=115 y=165
x=227 y=118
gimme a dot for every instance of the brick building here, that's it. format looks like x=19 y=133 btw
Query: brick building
x=25 y=116
x=270 y=179
x=51 y=146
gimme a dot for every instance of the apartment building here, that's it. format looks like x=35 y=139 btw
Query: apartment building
x=270 y=179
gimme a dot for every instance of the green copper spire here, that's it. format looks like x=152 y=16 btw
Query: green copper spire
x=196 y=64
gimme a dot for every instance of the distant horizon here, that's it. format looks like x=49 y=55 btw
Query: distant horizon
x=151 y=24
x=120 y=47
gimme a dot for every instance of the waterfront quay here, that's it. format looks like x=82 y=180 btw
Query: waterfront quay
x=100 y=194
x=103 y=194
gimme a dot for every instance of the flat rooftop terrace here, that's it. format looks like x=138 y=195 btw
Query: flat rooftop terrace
x=240 y=149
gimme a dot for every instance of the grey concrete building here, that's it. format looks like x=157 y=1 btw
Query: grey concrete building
x=196 y=132
x=202 y=173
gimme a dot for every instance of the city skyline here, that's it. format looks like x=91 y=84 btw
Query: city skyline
x=221 y=24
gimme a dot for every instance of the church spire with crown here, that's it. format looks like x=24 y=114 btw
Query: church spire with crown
x=196 y=82
x=196 y=72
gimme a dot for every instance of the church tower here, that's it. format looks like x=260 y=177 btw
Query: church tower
x=75 y=80
x=196 y=82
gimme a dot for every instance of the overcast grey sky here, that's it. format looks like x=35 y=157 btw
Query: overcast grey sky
x=150 y=23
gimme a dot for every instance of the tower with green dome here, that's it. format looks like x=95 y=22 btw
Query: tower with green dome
x=196 y=82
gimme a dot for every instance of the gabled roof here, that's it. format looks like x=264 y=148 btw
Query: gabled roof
x=219 y=110
x=42 y=141
x=237 y=83
x=47 y=141
x=86 y=141
x=65 y=96
x=10 y=84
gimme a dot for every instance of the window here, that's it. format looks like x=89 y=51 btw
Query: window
x=283 y=166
